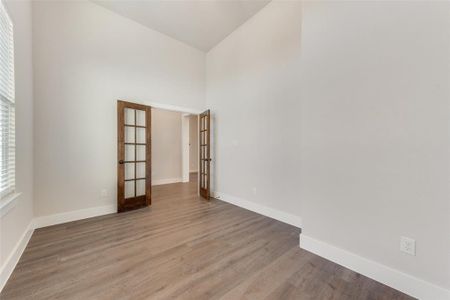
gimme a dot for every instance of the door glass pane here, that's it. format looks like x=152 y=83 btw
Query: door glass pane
x=140 y=117
x=140 y=152
x=129 y=116
x=140 y=187
x=129 y=170
x=129 y=189
x=140 y=170
x=140 y=135
x=129 y=134
x=129 y=152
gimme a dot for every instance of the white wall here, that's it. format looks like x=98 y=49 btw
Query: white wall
x=166 y=146
x=85 y=58
x=342 y=119
x=339 y=115
x=185 y=147
x=375 y=90
x=253 y=94
x=193 y=143
x=14 y=224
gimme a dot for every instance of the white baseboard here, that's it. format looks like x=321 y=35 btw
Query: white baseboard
x=166 y=181
x=12 y=260
x=261 y=209
x=398 y=280
x=70 y=216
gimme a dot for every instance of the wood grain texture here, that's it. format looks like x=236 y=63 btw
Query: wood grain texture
x=138 y=201
x=182 y=247
x=204 y=134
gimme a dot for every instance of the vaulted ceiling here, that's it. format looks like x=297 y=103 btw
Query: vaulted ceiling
x=199 y=23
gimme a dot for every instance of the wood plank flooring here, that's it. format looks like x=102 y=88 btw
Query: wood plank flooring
x=181 y=248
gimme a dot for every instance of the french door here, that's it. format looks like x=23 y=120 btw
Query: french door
x=134 y=156
x=205 y=157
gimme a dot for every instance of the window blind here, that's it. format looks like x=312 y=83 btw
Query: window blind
x=7 y=110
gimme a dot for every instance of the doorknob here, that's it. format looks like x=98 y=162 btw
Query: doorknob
x=121 y=162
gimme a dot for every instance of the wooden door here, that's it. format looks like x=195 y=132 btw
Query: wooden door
x=134 y=156
x=205 y=158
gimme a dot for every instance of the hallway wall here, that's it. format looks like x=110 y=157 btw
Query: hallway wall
x=193 y=141
x=166 y=146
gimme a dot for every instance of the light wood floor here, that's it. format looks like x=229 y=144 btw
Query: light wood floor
x=182 y=247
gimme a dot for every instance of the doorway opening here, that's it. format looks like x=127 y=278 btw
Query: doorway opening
x=175 y=146
x=193 y=147
x=158 y=146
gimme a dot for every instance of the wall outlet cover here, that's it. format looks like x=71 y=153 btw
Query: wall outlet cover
x=408 y=245
x=254 y=191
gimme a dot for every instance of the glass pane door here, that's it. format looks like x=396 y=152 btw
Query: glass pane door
x=134 y=182
x=205 y=159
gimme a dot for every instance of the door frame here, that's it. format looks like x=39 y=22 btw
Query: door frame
x=170 y=107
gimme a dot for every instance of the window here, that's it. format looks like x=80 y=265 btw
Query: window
x=7 y=114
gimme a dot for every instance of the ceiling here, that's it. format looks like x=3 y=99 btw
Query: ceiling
x=199 y=23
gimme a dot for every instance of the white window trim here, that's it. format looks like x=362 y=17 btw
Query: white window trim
x=9 y=196
x=8 y=203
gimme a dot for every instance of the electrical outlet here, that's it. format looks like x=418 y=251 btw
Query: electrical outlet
x=104 y=193
x=408 y=245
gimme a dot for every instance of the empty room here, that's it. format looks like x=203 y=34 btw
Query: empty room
x=224 y=149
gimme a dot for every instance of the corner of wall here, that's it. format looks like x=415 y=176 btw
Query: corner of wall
x=260 y=209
